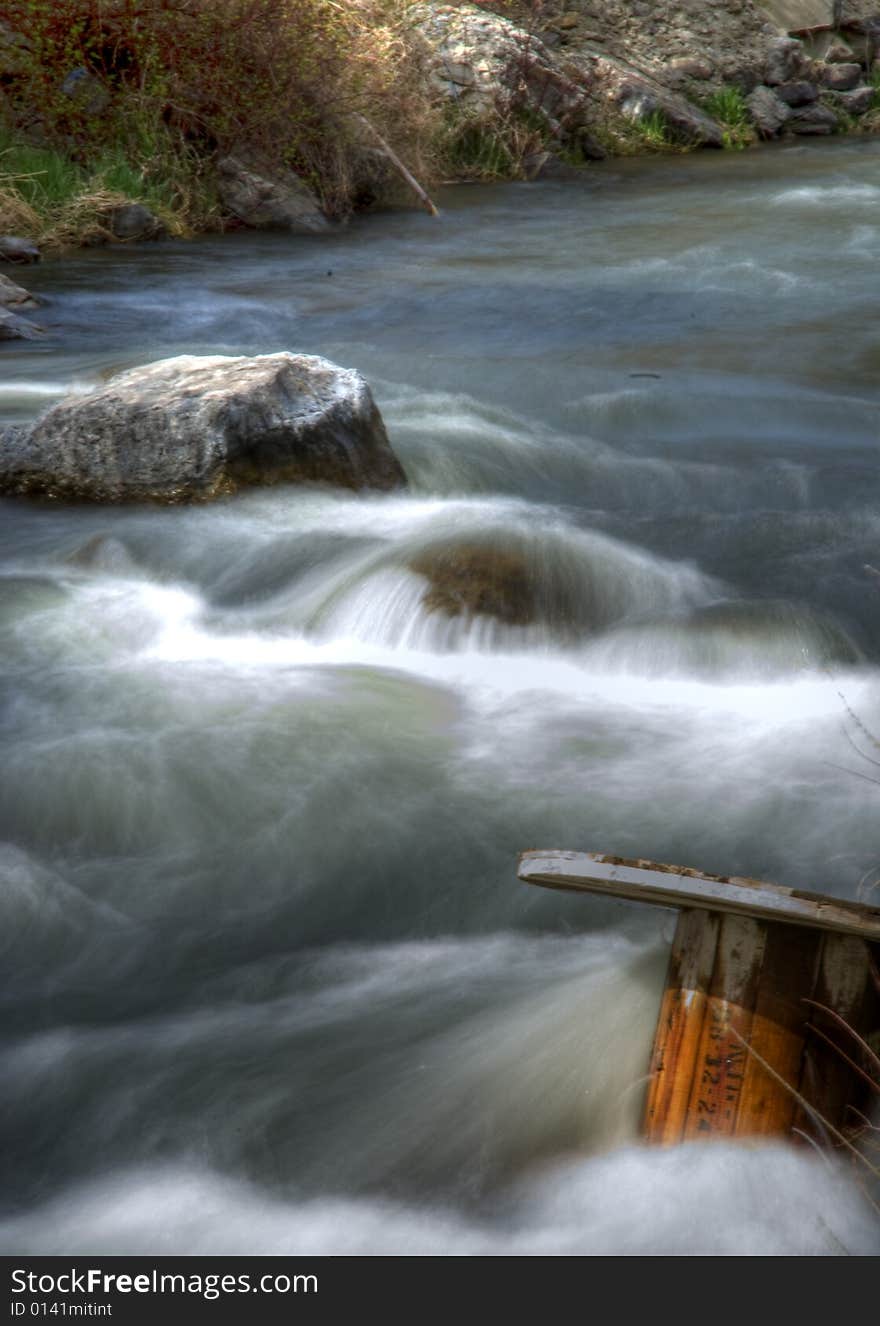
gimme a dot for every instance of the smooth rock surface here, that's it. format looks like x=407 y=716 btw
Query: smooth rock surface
x=14 y=328
x=13 y=296
x=635 y=95
x=768 y=112
x=857 y=102
x=840 y=77
x=133 y=221
x=812 y=120
x=488 y=62
x=482 y=60
x=195 y=428
x=470 y=579
x=799 y=93
x=797 y=14
x=786 y=61
x=265 y=203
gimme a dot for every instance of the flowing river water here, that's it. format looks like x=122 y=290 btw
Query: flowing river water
x=271 y=982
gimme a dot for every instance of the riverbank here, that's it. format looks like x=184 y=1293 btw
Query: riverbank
x=297 y=113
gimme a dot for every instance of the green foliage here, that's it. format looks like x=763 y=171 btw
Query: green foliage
x=875 y=84
x=44 y=178
x=654 y=131
x=475 y=150
x=186 y=80
x=728 y=107
x=846 y=123
x=48 y=196
x=491 y=143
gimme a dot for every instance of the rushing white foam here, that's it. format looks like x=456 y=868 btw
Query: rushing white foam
x=269 y=956
x=27 y=389
x=827 y=195
x=721 y=1201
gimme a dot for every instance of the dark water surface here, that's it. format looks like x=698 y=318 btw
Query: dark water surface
x=271 y=982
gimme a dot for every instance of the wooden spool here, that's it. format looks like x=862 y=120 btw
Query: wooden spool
x=760 y=983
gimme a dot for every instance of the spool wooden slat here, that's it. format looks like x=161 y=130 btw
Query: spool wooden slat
x=747 y=959
x=678 y=886
x=719 y=1073
x=843 y=985
x=778 y=1032
x=680 y=1025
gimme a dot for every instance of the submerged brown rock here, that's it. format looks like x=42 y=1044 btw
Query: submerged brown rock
x=468 y=578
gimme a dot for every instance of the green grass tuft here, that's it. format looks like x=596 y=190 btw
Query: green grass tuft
x=654 y=130
x=728 y=107
x=875 y=84
x=43 y=178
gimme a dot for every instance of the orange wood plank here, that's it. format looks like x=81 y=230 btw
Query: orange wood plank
x=680 y=1025
x=788 y=974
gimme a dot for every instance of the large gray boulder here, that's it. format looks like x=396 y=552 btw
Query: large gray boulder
x=490 y=67
x=195 y=428
x=487 y=62
x=264 y=202
x=636 y=96
x=484 y=62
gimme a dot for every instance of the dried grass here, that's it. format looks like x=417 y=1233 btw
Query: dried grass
x=16 y=216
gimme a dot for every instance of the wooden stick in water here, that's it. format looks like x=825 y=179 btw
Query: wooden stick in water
x=398 y=165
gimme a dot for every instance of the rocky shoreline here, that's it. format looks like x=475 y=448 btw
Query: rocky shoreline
x=571 y=84
x=565 y=82
x=594 y=69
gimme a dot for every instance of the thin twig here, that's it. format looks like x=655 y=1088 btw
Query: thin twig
x=398 y=165
x=858 y=750
x=844 y=1025
x=799 y=1132
x=874 y=971
x=858 y=722
x=869 y=1127
x=817 y=1031
x=855 y=773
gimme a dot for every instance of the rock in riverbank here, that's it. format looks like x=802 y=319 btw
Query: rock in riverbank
x=14 y=328
x=268 y=203
x=13 y=248
x=196 y=428
x=14 y=296
x=485 y=62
